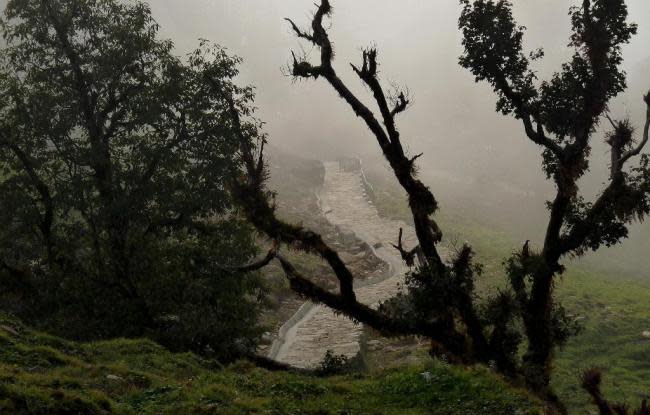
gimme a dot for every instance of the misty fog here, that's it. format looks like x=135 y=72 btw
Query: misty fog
x=472 y=155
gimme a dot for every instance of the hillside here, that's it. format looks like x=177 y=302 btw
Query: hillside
x=41 y=374
x=612 y=309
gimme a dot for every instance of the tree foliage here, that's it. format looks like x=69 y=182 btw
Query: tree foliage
x=562 y=115
x=115 y=219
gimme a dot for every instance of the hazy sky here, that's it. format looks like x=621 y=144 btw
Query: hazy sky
x=452 y=121
x=419 y=44
x=472 y=156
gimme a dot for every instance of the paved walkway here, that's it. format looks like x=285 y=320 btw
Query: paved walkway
x=305 y=338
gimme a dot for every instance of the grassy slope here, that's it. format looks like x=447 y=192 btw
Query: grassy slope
x=614 y=310
x=40 y=374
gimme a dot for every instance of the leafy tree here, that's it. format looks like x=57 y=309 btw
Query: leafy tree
x=115 y=218
x=439 y=302
x=562 y=115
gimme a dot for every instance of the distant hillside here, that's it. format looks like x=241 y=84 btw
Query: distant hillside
x=613 y=310
x=293 y=173
x=40 y=375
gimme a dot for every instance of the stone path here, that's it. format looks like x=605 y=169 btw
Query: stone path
x=314 y=329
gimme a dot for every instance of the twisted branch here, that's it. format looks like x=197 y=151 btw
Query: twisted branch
x=608 y=201
x=407 y=256
x=422 y=202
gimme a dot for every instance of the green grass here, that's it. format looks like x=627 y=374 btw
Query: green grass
x=41 y=374
x=614 y=309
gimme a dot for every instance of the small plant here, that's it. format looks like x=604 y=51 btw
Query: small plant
x=334 y=364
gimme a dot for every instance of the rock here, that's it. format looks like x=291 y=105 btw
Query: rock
x=646 y=334
x=114 y=378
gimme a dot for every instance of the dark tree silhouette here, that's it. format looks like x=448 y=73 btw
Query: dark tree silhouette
x=114 y=155
x=440 y=325
x=439 y=302
x=562 y=116
x=591 y=382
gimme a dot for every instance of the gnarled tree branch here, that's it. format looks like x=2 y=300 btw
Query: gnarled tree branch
x=454 y=343
x=407 y=256
x=255 y=201
x=536 y=135
x=421 y=200
x=609 y=202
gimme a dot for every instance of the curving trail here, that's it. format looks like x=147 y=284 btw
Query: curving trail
x=314 y=329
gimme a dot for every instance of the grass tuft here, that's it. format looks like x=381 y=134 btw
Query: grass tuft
x=41 y=374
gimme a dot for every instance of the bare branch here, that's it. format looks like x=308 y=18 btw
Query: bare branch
x=591 y=382
x=303 y=69
x=325 y=69
x=261 y=213
x=246 y=149
x=300 y=33
x=368 y=74
x=414 y=158
x=454 y=343
x=422 y=202
x=611 y=122
x=407 y=256
x=318 y=37
x=400 y=104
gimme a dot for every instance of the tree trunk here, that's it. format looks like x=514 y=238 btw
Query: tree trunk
x=539 y=331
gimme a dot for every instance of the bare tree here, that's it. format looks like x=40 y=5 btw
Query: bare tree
x=467 y=343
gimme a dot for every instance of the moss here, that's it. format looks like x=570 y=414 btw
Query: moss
x=41 y=374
